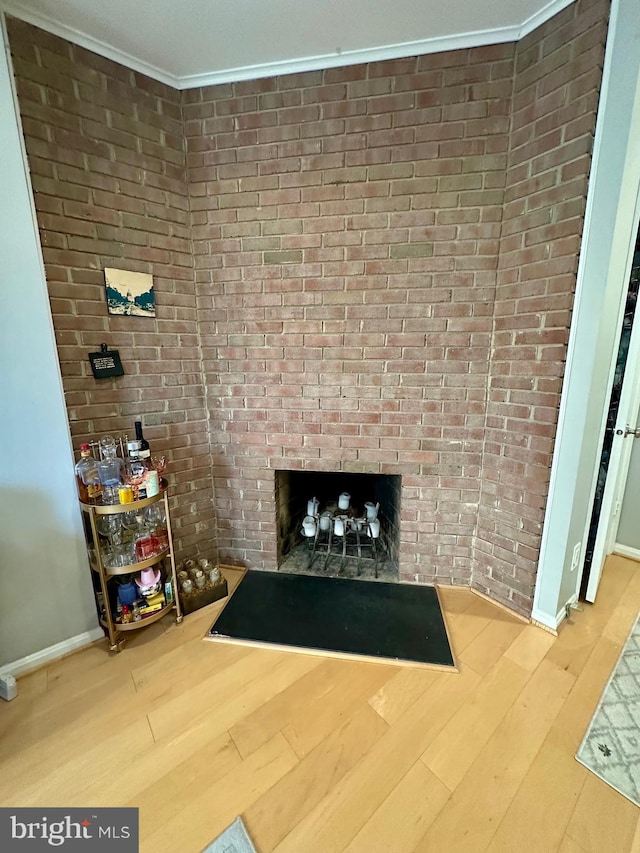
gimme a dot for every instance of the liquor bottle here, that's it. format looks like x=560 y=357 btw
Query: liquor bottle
x=89 y=486
x=145 y=451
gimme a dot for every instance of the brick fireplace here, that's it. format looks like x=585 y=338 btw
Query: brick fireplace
x=359 y=271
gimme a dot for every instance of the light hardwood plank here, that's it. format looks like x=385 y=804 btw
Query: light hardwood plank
x=68 y=784
x=635 y=844
x=623 y=618
x=342 y=813
x=602 y=819
x=455 y=599
x=168 y=676
x=472 y=726
x=576 y=713
x=491 y=643
x=231 y=694
x=32 y=688
x=556 y=761
x=274 y=815
x=296 y=702
x=34 y=746
x=578 y=636
x=405 y=815
x=402 y=690
x=209 y=810
x=470 y=818
x=464 y=627
x=569 y=846
x=185 y=767
x=536 y=796
x=530 y=647
x=315 y=722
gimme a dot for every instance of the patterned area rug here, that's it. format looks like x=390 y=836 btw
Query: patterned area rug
x=234 y=839
x=611 y=746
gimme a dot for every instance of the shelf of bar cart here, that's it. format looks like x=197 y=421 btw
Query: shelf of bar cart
x=138 y=566
x=132 y=506
x=142 y=623
x=107 y=572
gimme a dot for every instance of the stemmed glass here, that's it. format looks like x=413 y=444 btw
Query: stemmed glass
x=160 y=464
x=133 y=521
x=110 y=526
x=154 y=516
x=157 y=525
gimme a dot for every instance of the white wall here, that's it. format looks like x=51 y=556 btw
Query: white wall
x=594 y=336
x=45 y=587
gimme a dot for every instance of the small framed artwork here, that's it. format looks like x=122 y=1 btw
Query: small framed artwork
x=130 y=293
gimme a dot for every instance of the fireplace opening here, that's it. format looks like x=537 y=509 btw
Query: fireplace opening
x=337 y=524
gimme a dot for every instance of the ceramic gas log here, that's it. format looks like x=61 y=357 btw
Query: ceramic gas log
x=337 y=523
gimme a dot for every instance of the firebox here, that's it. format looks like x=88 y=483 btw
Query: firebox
x=338 y=524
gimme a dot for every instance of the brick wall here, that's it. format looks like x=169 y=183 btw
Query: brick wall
x=557 y=78
x=359 y=269
x=105 y=149
x=346 y=227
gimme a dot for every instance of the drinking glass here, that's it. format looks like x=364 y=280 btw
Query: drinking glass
x=110 y=526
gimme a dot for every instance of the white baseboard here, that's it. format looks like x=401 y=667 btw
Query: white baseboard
x=627 y=551
x=546 y=620
x=38 y=659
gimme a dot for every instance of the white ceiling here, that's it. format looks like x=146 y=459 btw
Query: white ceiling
x=196 y=42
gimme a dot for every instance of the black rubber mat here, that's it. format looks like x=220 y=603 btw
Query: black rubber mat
x=388 y=620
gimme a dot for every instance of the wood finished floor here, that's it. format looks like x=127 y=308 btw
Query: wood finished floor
x=321 y=755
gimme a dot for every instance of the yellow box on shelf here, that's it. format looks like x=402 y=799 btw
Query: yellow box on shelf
x=151 y=608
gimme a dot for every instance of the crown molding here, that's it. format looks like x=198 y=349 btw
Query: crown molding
x=351 y=57
x=479 y=38
x=19 y=10
x=532 y=23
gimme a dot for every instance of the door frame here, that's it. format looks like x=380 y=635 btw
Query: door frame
x=628 y=409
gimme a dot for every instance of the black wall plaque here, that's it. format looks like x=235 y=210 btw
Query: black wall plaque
x=106 y=363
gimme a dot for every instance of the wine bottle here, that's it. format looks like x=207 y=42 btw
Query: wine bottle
x=137 y=470
x=151 y=484
x=145 y=451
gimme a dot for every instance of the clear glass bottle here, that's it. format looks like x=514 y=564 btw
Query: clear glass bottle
x=89 y=485
x=110 y=470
